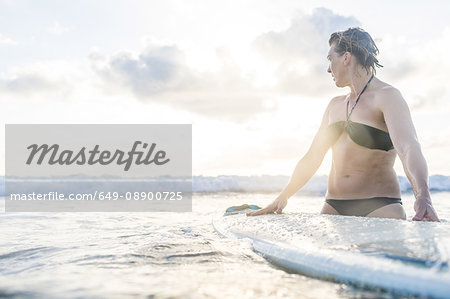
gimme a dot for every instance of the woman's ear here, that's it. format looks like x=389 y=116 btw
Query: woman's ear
x=347 y=58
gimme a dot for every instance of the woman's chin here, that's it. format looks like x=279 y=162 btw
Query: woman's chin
x=337 y=84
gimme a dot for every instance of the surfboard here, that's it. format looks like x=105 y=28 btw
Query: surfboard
x=397 y=255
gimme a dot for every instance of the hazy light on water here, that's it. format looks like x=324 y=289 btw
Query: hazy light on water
x=161 y=254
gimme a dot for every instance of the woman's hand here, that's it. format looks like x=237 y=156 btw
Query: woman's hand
x=276 y=206
x=424 y=211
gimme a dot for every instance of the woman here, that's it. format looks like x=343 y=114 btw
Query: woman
x=365 y=129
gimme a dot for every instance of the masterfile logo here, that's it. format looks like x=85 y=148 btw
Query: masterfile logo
x=98 y=168
x=82 y=157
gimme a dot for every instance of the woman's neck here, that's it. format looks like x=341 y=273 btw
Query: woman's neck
x=357 y=83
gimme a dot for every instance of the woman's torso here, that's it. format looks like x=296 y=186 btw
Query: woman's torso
x=358 y=171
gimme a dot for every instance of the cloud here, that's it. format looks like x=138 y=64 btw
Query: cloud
x=58 y=29
x=419 y=68
x=46 y=79
x=300 y=51
x=154 y=71
x=4 y=40
x=307 y=35
x=30 y=83
x=294 y=57
x=160 y=74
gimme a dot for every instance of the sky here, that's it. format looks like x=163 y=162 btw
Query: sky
x=250 y=76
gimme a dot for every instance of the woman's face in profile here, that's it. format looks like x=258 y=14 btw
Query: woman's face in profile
x=335 y=65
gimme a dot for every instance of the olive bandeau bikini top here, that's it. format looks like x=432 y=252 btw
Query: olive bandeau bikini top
x=361 y=134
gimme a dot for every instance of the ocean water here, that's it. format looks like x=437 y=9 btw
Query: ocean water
x=158 y=255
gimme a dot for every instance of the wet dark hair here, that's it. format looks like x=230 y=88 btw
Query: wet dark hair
x=358 y=42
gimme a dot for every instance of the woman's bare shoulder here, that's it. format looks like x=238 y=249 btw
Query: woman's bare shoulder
x=387 y=93
x=335 y=103
x=337 y=100
x=390 y=97
x=385 y=89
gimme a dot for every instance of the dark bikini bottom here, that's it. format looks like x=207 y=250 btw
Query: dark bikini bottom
x=360 y=207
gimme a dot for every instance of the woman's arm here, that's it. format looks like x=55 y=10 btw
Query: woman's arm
x=403 y=134
x=305 y=169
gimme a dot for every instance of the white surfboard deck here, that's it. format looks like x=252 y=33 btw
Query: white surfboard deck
x=398 y=255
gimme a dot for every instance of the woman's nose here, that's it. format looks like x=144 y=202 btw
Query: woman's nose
x=329 y=70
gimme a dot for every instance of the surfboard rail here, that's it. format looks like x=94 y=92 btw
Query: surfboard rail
x=340 y=265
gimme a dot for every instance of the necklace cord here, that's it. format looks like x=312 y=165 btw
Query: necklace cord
x=348 y=99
